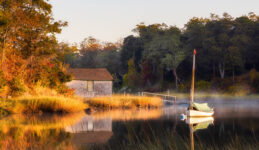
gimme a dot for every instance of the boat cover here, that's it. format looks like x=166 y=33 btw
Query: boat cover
x=201 y=107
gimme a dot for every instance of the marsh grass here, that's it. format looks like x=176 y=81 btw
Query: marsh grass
x=40 y=104
x=127 y=101
x=149 y=138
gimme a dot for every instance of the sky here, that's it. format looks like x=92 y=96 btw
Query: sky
x=113 y=20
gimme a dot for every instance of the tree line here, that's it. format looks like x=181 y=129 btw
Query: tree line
x=159 y=54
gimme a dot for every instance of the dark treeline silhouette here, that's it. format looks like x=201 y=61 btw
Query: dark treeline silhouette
x=227 y=50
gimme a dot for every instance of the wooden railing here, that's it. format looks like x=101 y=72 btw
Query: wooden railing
x=163 y=96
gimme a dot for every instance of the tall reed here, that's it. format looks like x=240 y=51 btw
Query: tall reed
x=39 y=104
x=128 y=101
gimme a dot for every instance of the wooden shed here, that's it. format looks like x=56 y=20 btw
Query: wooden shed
x=91 y=82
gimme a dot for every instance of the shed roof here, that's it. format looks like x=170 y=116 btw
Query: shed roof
x=92 y=74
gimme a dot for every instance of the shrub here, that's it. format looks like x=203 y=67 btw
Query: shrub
x=64 y=77
x=2 y=80
x=184 y=87
x=203 y=85
x=16 y=87
x=254 y=80
x=3 y=87
x=3 y=112
x=63 y=89
x=239 y=90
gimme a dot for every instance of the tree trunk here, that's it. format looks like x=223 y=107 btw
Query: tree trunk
x=222 y=70
x=176 y=78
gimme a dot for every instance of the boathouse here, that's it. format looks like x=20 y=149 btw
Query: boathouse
x=91 y=82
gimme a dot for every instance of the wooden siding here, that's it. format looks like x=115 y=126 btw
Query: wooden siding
x=101 y=88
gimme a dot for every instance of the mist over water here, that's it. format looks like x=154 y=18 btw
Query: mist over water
x=235 y=126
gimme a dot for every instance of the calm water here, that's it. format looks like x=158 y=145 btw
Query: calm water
x=234 y=126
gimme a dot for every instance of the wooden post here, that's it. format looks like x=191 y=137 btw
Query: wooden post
x=193 y=74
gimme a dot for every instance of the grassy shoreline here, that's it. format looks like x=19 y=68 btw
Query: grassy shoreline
x=125 y=102
x=61 y=104
x=41 y=104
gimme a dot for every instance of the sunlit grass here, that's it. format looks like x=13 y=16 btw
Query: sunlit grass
x=40 y=104
x=128 y=101
x=40 y=100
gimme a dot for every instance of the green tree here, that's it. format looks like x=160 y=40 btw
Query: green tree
x=132 y=78
x=132 y=48
x=68 y=54
x=164 y=50
x=89 y=49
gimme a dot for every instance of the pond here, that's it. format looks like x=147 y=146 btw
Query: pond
x=235 y=125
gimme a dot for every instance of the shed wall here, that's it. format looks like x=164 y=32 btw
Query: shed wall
x=101 y=88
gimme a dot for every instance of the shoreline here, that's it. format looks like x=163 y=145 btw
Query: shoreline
x=41 y=104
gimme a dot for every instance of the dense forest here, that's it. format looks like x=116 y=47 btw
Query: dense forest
x=160 y=56
x=157 y=57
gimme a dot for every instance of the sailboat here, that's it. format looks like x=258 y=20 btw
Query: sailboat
x=197 y=109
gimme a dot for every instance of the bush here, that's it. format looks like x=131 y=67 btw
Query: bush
x=254 y=80
x=2 y=80
x=203 y=85
x=239 y=90
x=63 y=89
x=3 y=113
x=64 y=77
x=16 y=87
x=3 y=87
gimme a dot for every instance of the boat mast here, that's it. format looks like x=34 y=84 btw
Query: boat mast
x=193 y=73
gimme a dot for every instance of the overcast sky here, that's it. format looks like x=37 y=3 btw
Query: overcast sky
x=111 y=20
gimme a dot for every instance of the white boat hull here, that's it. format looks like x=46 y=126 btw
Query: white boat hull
x=195 y=113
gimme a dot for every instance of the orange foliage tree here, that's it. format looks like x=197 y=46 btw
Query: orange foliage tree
x=29 y=49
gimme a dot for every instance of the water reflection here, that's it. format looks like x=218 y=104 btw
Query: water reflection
x=233 y=128
x=97 y=127
x=126 y=115
x=90 y=130
x=196 y=124
x=36 y=131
